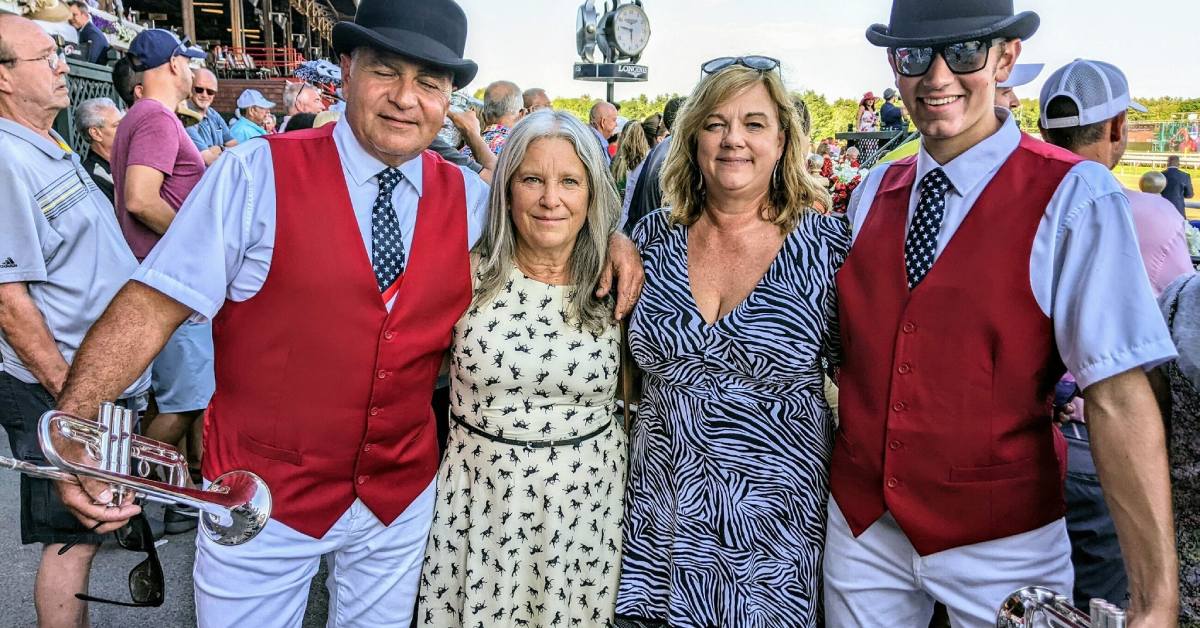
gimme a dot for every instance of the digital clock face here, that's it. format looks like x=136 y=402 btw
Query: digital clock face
x=630 y=29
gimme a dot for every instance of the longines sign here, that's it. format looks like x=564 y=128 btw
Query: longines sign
x=614 y=72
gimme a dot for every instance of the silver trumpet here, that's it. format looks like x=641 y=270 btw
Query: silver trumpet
x=1040 y=607
x=233 y=510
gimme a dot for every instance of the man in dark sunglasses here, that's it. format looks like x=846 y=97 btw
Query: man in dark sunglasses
x=211 y=135
x=979 y=268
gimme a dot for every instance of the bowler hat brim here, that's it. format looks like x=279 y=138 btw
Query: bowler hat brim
x=347 y=36
x=937 y=32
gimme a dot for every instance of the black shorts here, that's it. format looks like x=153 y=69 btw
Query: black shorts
x=44 y=518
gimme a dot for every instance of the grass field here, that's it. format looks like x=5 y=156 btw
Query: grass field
x=1130 y=175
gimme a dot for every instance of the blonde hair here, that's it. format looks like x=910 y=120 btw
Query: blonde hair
x=496 y=248
x=793 y=191
x=631 y=150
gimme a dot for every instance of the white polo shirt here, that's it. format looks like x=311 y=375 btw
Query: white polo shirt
x=59 y=236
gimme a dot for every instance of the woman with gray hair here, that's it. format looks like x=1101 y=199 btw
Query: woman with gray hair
x=527 y=529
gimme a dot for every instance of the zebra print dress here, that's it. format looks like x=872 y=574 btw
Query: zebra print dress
x=728 y=483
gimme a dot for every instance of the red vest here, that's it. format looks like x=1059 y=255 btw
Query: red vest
x=320 y=390
x=947 y=389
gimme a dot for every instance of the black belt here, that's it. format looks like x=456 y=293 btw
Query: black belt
x=534 y=444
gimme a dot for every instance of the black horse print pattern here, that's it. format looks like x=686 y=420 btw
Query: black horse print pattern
x=527 y=536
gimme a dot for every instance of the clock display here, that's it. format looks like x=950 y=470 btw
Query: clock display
x=630 y=29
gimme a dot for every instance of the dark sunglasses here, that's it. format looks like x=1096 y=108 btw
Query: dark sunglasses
x=204 y=90
x=962 y=57
x=146 y=586
x=754 y=62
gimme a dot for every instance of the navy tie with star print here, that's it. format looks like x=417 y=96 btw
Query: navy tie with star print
x=920 y=246
x=387 y=243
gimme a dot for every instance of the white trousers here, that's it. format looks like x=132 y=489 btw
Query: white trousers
x=878 y=579
x=374 y=571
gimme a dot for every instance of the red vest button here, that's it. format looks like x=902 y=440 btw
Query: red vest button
x=362 y=479
x=899 y=406
x=891 y=483
x=894 y=445
x=904 y=369
x=909 y=328
x=374 y=411
x=381 y=374
x=388 y=335
x=366 y=448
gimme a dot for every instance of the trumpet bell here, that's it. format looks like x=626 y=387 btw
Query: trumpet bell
x=233 y=509
x=249 y=514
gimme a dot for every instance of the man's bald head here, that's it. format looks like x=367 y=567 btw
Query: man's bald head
x=536 y=99
x=12 y=29
x=31 y=92
x=502 y=103
x=603 y=117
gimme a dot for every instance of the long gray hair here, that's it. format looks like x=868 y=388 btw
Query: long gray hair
x=496 y=248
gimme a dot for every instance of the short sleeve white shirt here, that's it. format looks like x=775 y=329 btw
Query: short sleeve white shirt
x=219 y=245
x=1085 y=269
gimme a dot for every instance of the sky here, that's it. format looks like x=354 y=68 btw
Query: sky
x=821 y=43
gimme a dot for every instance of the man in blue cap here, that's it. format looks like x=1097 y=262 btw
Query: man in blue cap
x=253 y=110
x=155 y=165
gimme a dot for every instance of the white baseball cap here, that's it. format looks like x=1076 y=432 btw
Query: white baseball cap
x=253 y=98
x=1022 y=74
x=1098 y=89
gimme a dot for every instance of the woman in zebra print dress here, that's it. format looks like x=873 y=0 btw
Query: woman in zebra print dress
x=725 y=508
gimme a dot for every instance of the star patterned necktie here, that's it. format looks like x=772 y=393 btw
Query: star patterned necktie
x=921 y=243
x=387 y=243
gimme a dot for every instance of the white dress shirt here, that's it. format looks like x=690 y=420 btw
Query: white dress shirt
x=1085 y=270
x=219 y=246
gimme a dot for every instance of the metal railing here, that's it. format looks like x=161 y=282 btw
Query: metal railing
x=257 y=62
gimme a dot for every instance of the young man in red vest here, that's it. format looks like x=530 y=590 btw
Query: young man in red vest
x=334 y=265
x=981 y=267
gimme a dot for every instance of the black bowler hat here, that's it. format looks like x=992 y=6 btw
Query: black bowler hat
x=431 y=31
x=936 y=22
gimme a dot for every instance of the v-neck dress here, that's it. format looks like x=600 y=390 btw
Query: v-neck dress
x=729 y=471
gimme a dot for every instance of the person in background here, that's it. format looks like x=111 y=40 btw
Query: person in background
x=300 y=97
x=1179 y=185
x=1022 y=74
x=602 y=118
x=97 y=120
x=211 y=135
x=534 y=366
x=62 y=258
x=90 y=36
x=891 y=117
x=535 y=99
x=268 y=124
x=126 y=81
x=155 y=165
x=647 y=193
x=502 y=107
x=728 y=479
x=1101 y=134
x=1152 y=183
x=631 y=151
x=253 y=111
x=867 y=119
x=1178 y=389
x=301 y=121
x=654 y=129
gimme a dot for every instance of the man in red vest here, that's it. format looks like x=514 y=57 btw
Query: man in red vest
x=334 y=264
x=980 y=267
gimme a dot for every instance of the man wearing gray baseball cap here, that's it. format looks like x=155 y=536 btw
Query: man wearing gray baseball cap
x=253 y=109
x=1083 y=109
